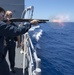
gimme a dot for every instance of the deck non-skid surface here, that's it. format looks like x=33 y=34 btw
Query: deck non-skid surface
x=18 y=63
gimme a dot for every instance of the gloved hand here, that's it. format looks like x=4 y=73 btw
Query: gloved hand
x=34 y=22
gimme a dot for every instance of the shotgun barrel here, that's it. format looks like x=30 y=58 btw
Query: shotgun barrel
x=26 y=20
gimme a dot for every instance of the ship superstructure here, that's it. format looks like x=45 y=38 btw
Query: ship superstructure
x=16 y=6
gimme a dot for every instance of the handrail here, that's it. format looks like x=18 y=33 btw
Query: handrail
x=27 y=9
x=37 y=70
x=29 y=54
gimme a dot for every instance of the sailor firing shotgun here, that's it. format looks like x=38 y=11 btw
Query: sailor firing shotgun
x=26 y=20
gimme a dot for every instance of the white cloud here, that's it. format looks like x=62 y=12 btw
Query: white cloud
x=61 y=18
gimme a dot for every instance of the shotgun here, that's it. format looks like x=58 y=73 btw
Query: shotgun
x=26 y=20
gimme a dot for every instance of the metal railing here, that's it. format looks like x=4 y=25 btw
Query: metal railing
x=31 y=62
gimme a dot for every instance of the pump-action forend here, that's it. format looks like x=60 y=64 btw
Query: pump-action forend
x=26 y=20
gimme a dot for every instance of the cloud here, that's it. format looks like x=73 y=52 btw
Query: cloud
x=56 y=20
x=61 y=18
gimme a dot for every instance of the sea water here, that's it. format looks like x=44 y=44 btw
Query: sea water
x=54 y=43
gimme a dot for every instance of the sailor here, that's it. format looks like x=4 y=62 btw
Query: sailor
x=11 y=43
x=9 y=31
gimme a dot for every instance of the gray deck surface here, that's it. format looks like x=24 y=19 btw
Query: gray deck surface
x=18 y=63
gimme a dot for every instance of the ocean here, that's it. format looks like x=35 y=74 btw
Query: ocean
x=54 y=43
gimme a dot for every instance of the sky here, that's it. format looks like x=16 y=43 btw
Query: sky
x=54 y=10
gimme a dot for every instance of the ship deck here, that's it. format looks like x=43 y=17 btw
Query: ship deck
x=18 y=63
